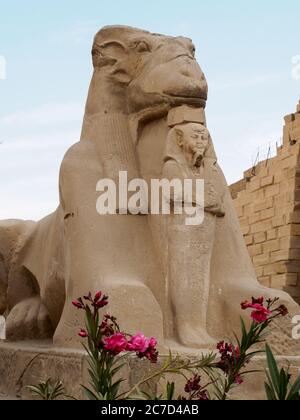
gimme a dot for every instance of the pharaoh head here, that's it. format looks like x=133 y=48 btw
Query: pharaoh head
x=192 y=142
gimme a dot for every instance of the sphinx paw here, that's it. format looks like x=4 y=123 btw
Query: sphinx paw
x=29 y=320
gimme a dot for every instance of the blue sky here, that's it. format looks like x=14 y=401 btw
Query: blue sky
x=245 y=49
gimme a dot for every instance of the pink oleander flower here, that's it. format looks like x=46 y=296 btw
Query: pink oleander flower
x=139 y=343
x=239 y=380
x=78 y=303
x=116 y=344
x=144 y=347
x=282 y=310
x=88 y=297
x=107 y=326
x=97 y=296
x=203 y=396
x=260 y=314
x=193 y=384
x=225 y=348
x=247 y=305
x=260 y=300
x=194 y=388
x=229 y=356
x=83 y=333
x=100 y=301
x=151 y=353
x=152 y=343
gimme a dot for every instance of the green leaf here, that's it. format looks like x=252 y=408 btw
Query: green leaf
x=91 y=396
x=170 y=391
x=48 y=390
x=142 y=396
x=115 y=388
x=238 y=341
x=270 y=393
x=294 y=392
x=270 y=382
x=36 y=391
x=273 y=369
x=247 y=372
x=117 y=369
x=283 y=384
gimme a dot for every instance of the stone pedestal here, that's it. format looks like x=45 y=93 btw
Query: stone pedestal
x=23 y=364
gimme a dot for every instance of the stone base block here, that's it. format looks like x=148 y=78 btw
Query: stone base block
x=23 y=364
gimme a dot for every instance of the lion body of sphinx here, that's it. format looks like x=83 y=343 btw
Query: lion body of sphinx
x=138 y=79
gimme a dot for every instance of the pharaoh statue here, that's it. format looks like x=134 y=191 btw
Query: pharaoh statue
x=190 y=155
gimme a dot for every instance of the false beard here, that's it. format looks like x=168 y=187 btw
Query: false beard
x=198 y=159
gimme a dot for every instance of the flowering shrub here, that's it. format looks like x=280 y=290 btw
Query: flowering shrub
x=234 y=358
x=261 y=313
x=195 y=390
x=107 y=346
x=105 y=342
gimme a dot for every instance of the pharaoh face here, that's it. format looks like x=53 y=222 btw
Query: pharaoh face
x=194 y=140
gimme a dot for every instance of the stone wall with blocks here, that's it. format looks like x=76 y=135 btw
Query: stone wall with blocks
x=267 y=201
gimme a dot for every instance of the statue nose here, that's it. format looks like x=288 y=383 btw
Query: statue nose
x=184 y=57
x=187 y=65
x=187 y=72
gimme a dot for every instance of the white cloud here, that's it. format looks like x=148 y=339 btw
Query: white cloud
x=33 y=145
x=245 y=83
x=48 y=141
x=46 y=114
x=77 y=33
x=237 y=149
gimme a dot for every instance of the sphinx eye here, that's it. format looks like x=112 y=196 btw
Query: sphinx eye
x=142 y=47
x=193 y=50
